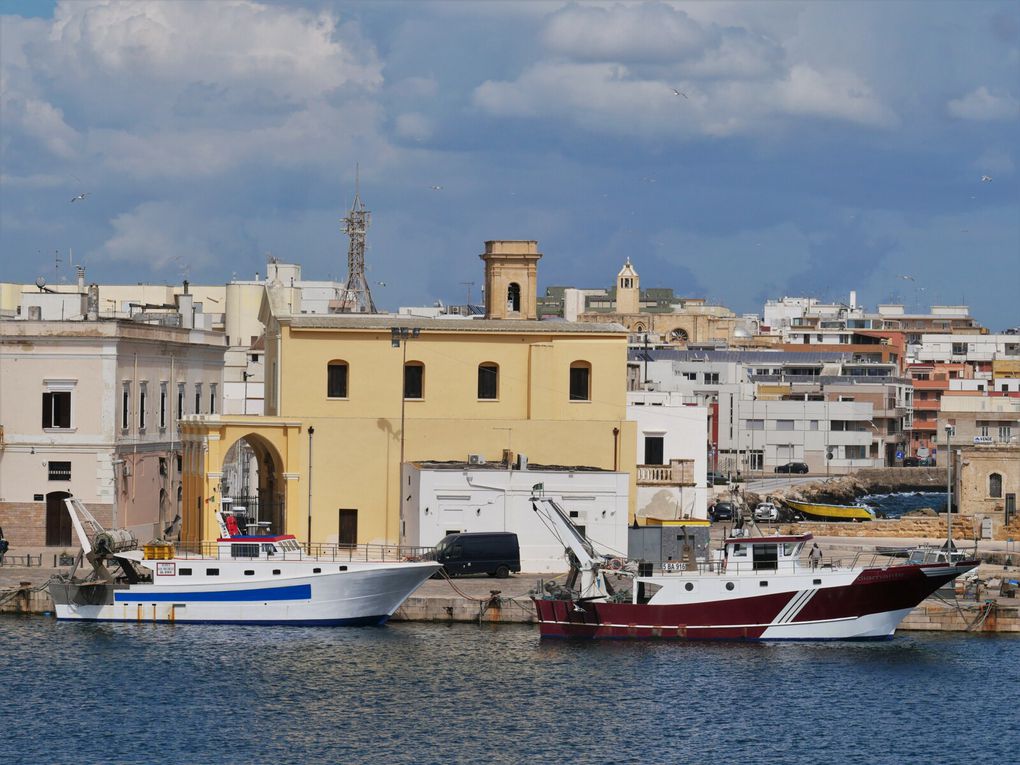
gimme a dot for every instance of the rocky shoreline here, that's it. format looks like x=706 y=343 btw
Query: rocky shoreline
x=847 y=490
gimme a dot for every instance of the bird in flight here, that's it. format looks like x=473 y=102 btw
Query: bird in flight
x=80 y=197
x=986 y=178
x=908 y=278
x=436 y=188
x=679 y=93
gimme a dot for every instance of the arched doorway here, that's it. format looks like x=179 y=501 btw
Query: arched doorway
x=252 y=479
x=58 y=522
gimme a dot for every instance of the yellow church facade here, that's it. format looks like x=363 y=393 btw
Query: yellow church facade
x=350 y=397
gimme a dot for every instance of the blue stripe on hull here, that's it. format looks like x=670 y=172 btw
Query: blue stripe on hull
x=359 y=621
x=291 y=592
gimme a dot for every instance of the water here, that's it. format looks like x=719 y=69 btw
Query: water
x=900 y=503
x=423 y=693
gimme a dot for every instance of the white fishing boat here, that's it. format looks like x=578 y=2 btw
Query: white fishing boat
x=240 y=579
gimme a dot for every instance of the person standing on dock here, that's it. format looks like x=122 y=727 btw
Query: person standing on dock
x=815 y=555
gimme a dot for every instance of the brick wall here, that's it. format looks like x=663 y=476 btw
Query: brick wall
x=24 y=523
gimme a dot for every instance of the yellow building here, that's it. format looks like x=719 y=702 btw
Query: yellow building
x=363 y=393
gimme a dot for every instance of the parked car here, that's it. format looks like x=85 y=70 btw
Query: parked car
x=494 y=553
x=716 y=479
x=766 y=511
x=721 y=511
x=911 y=462
x=792 y=467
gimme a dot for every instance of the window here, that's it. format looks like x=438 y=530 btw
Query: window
x=198 y=398
x=994 y=485
x=184 y=572
x=1005 y=433
x=143 y=392
x=580 y=381
x=414 y=380
x=854 y=452
x=513 y=298
x=59 y=471
x=180 y=400
x=814 y=424
x=212 y=572
x=125 y=406
x=212 y=398
x=162 y=406
x=245 y=550
x=754 y=424
x=336 y=379
x=959 y=349
x=711 y=378
x=784 y=424
x=56 y=409
x=654 y=450
x=488 y=381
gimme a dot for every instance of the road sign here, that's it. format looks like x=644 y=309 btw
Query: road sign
x=899 y=455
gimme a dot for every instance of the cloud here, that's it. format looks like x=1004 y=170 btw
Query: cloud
x=983 y=105
x=834 y=95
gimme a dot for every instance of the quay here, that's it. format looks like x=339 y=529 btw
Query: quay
x=982 y=605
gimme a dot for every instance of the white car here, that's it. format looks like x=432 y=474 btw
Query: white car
x=766 y=511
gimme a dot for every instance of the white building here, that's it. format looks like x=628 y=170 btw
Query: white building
x=968 y=348
x=672 y=442
x=443 y=498
x=90 y=408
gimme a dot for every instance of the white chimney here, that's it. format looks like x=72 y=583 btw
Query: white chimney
x=853 y=299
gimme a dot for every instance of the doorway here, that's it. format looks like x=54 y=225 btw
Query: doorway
x=58 y=522
x=348 y=531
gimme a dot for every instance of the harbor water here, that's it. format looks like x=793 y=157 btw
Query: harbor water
x=899 y=504
x=426 y=693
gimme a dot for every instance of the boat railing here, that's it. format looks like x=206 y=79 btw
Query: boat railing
x=312 y=552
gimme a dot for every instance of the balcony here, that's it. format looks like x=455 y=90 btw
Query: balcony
x=929 y=426
x=929 y=405
x=676 y=473
x=931 y=384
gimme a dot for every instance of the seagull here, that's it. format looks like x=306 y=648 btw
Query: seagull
x=80 y=197
x=986 y=178
x=679 y=93
x=436 y=188
x=908 y=278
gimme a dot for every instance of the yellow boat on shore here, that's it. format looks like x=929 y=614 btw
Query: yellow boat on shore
x=816 y=511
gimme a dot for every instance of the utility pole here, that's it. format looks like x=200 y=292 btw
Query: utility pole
x=399 y=337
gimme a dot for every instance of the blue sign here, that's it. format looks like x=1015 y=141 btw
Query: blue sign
x=899 y=455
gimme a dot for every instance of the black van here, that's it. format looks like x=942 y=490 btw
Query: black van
x=495 y=553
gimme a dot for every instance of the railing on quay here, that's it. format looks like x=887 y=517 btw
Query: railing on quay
x=374 y=553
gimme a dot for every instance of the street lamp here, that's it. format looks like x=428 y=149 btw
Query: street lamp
x=949 y=493
x=398 y=339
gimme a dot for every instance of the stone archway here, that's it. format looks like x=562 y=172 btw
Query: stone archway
x=252 y=477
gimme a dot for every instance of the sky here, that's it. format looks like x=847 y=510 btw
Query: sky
x=735 y=151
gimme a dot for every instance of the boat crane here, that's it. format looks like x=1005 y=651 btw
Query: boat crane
x=584 y=561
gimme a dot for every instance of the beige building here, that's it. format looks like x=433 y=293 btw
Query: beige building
x=689 y=320
x=90 y=408
x=987 y=482
x=352 y=398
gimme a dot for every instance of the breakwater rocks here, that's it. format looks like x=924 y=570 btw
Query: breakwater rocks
x=846 y=489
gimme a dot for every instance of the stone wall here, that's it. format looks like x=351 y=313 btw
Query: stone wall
x=24 y=523
x=912 y=526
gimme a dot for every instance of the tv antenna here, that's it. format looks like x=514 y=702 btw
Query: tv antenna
x=356 y=296
x=469 y=285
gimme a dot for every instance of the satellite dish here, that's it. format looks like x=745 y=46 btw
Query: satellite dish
x=40 y=282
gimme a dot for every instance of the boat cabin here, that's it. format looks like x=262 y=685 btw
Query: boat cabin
x=262 y=548
x=749 y=554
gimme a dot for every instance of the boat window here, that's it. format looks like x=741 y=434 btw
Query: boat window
x=249 y=572
x=184 y=572
x=689 y=586
x=765 y=557
x=739 y=551
x=212 y=572
x=817 y=581
x=343 y=568
x=645 y=591
x=316 y=570
x=729 y=585
x=763 y=583
x=790 y=549
x=244 y=551
x=269 y=549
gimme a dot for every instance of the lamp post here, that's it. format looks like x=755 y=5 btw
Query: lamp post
x=949 y=493
x=399 y=337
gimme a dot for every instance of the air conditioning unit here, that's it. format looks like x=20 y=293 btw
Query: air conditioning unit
x=522 y=462
x=476 y=459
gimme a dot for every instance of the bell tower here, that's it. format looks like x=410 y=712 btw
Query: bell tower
x=511 y=279
x=628 y=290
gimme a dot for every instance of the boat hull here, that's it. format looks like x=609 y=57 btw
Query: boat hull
x=870 y=606
x=818 y=512
x=350 y=598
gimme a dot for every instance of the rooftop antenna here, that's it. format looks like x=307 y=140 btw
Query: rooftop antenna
x=356 y=297
x=56 y=266
x=469 y=285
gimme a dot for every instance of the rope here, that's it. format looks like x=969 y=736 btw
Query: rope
x=11 y=594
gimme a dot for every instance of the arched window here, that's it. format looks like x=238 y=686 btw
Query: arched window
x=488 y=381
x=513 y=297
x=678 y=336
x=580 y=381
x=336 y=379
x=995 y=485
x=414 y=379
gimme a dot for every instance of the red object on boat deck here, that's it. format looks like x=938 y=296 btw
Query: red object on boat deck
x=232 y=527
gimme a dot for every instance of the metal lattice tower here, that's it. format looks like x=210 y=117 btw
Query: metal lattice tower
x=355 y=296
